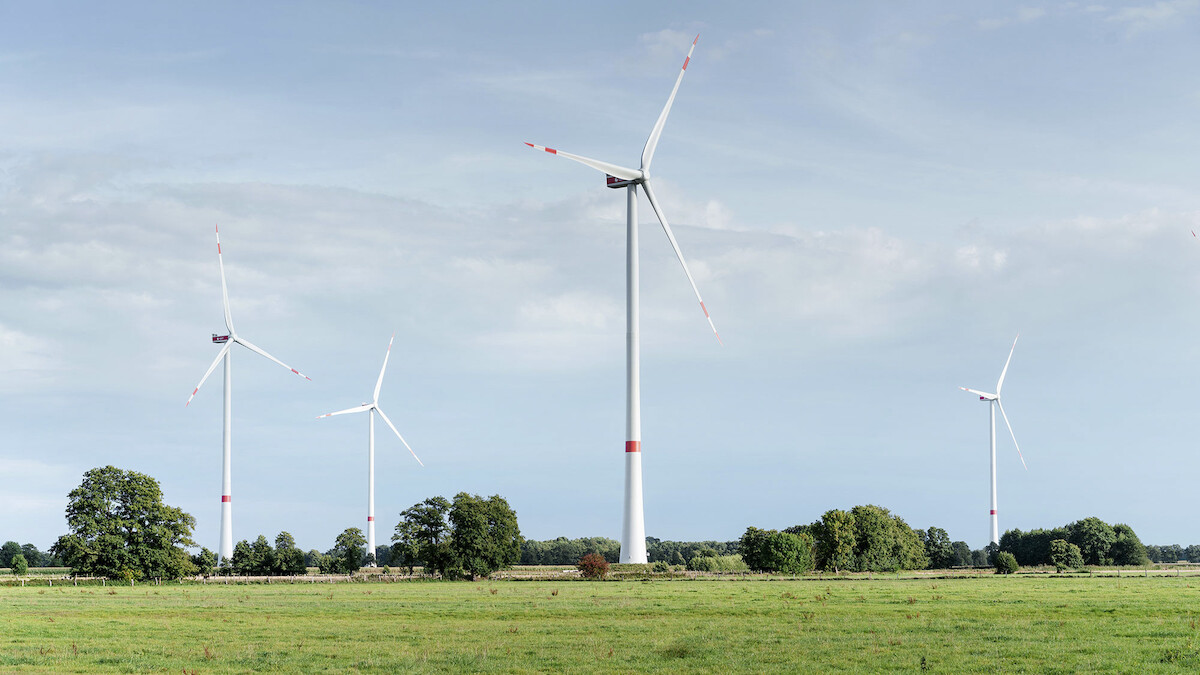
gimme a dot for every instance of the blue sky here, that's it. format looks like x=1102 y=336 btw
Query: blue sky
x=874 y=200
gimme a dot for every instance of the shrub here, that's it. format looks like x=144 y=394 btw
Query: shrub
x=1006 y=563
x=662 y=567
x=1065 y=555
x=593 y=566
x=18 y=564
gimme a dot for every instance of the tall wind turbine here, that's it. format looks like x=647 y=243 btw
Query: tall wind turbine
x=633 y=529
x=225 y=550
x=372 y=408
x=993 y=403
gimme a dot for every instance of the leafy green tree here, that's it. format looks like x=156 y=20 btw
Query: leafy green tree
x=752 y=547
x=383 y=555
x=938 y=548
x=593 y=566
x=243 y=558
x=962 y=554
x=1006 y=563
x=33 y=556
x=204 y=561
x=7 y=552
x=485 y=535
x=18 y=565
x=349 y=549
x=423 y=536
x=121 y=527
x=1127 y=549
x=1094 y=537
x=262 y=557
x=834 y=540
x=1065 y=555
x=289 y=560
x=788 y=553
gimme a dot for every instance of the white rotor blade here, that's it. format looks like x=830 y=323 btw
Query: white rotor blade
x=984 y=394
x=675 y=245
x=224 y=289
x=1010 y=433
x=379 y=383
x=393 y=426
x=611 y=169
x=1000 y=384
x=652 y=142
x=357 y=409
x=208 y=372
x=260 y=352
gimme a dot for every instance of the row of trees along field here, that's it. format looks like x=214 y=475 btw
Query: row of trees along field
x=1098 y=542
x=32 y=556
x=1173 y=553
x=563 y=551
x=121 y=529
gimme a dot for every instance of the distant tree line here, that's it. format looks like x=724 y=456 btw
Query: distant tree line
x=869 y=539
x=33 y=557
x=563 y=551
x=1173 y=553
x=1098 y=542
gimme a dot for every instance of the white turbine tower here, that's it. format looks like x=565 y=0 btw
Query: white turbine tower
x=225 y=550
x=372 y=408
x=993 y=403
x=633 y=530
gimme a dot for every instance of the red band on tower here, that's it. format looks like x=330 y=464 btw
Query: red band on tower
x=226 y=498
x=370 y=518
x=633 y=446
x=993 y=512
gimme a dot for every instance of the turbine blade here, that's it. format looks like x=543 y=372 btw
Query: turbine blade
x=220 y=355
x=393 y=426
x=652 y=142
x=260 y=352
x=224 y=288
x=611 y=169
x=379 y=382
x=356 y=409
x=678 y=253
x=1000 y=384
x=1010 y=433
x=984 y=394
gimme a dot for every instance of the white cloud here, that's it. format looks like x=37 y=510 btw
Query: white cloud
x=1148 y=17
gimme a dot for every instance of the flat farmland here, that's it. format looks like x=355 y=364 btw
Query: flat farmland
x=1021 y=624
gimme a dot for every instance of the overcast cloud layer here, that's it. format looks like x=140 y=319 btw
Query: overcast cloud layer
x=874 y=201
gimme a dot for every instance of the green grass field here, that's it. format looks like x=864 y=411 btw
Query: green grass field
x=1036 y=624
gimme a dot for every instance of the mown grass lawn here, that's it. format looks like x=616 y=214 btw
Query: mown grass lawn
x=1018 y=624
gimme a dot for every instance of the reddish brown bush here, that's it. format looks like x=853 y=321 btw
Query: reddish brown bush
x=593 y=566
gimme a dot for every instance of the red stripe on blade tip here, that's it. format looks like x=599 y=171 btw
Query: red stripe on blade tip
x=685 y=62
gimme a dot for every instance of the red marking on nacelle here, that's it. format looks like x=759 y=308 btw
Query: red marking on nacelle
x=226 y=498
x=633 y=446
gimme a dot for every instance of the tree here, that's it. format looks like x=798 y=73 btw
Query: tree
x=349 y=550
x=1094 y=537
x=422 y=536
x=834 y=540
x=18 y=565
x=1190 y=554
x=243 y=558
x=7 y=552
x=485 y=535
x=752 y=548
x=204 y=561
x=289 y=560
x=262 y=557
x=938 y=548
x=121 y=527
x=593 y=566
x=788 y=553
x=962 y=554
x=1006 y=563
x=1127 y=549
x=1065 y=555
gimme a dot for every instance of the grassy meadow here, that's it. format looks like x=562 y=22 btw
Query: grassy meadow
x=1032 y=624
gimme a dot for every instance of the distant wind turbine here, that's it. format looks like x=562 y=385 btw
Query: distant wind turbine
x=225 y=550
x=993 y=403
x=633 y=530
x=372 y=408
